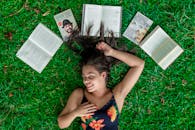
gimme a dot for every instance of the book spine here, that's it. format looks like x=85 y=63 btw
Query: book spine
x=37 y=44
x=148 y=36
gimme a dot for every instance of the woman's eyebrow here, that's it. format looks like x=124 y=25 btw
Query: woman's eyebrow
x=90 y=73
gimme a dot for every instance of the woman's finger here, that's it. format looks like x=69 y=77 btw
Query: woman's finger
x=91 y=110
x=87 y=114
x=86 y=102
x=89 y=105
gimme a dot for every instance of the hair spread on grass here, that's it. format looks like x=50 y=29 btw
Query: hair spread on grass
x=85 y=46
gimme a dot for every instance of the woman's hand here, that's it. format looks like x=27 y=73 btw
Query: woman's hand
x=105 y=48
x=85 y=109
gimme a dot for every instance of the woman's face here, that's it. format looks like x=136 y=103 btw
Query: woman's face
x=92 y=79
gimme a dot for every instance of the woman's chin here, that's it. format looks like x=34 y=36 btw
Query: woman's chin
x=90 y=90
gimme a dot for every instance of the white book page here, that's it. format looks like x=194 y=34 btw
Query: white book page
x=163 y=50
x=153 y=40
x=111 y=18
x=171 y=57
x=66 y=23
x=46 y=39
x=34 y=56
x=92 y=16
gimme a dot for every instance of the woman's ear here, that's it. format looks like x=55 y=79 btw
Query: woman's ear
x=104 y=74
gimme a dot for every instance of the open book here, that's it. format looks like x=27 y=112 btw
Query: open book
x=66 y=23
x=39 y=48
x=93 y=15
x=161 y=47
x=158 y=45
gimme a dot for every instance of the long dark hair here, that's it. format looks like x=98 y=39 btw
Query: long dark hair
x=85 y=46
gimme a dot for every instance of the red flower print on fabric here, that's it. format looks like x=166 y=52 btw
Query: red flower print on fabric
x=84 y=118
x=84 y=126
x=97 y=125
x=112 y=113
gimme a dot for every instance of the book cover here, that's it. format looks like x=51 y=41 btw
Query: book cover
x=66 y=23
x=39 y=48
x=137 y=28
x=94 y=15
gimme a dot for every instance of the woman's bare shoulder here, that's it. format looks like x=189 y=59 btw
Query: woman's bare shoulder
x=73 y=101
x=78 y=90
x=78 y=93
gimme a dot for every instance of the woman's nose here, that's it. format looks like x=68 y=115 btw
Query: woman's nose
x=86 y=80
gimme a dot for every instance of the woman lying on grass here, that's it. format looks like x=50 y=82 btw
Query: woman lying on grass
x=97 y=105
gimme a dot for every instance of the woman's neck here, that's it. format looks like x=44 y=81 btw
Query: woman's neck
x=101 y=92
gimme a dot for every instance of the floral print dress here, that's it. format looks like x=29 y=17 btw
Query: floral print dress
x=105 y=118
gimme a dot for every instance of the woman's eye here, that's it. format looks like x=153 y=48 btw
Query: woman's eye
x=91 y=77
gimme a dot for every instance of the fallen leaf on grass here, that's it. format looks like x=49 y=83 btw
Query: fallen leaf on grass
x=69 y=59
x=162 y=93
x=17 y=12
x=5 y=69
x=11 y=95
x=61 y=101
x=144 y=91
x=26 y=5
x=37 y=11
x=184 y=82
x=46 y=13
x=8 y=35
x=162 y=101
x=21 y=89
x=149 y=111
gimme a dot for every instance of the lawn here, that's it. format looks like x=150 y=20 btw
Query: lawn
x=160 y=99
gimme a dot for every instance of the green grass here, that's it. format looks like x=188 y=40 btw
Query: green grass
x=160 y=99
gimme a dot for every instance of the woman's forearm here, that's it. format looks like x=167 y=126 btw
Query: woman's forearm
x=65 y=120
x=129 y=59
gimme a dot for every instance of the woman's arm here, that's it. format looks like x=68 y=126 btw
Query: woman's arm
x=124 y=87
x=66 y=119
x=67 y=115
x=74 y=109
x=136 y=64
